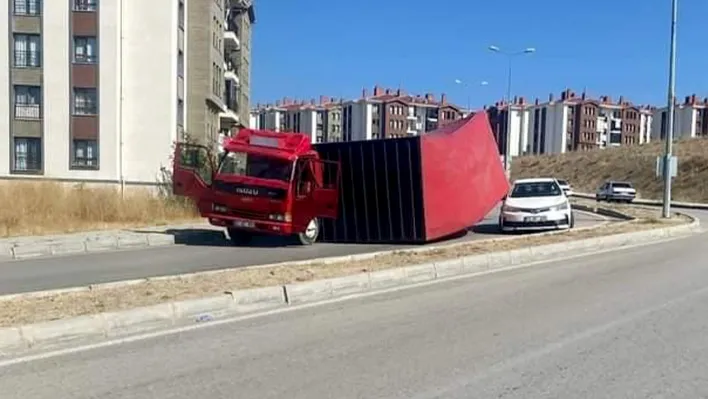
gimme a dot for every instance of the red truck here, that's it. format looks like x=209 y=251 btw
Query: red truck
x=264 y=183
x=401 y=190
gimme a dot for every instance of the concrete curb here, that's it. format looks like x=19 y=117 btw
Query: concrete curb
x=47 y=335
x=640 y=201
x=327 y=260
x=34 y=247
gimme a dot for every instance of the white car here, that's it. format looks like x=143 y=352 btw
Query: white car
x=536 y=204
x=565 y=186
x=620 y=191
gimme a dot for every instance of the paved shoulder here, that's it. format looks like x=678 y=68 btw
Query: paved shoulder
x=599 y=326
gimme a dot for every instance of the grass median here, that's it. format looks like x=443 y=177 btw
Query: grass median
x=42 y=208
x=21 y=311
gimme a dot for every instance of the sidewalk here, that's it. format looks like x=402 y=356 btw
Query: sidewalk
x=107 y=240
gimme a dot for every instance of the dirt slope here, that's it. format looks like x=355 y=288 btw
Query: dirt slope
x=587 y=170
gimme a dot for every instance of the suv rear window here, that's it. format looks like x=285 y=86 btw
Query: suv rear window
x=563 y=182
x=621 y=185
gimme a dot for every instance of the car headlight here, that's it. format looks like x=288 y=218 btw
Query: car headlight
x=507 y=208
x=560 y=207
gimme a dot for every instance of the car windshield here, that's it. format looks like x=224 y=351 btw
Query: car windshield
x=256 y=165
x=563 y=182
x=621 y=185
x=536 y=189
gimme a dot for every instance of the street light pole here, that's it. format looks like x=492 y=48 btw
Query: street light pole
x=507 y=135
x=671 y=95
x=467 y=89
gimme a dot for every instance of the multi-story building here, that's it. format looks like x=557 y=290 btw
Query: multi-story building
x=570 y=123
x=393 y=113
x=321 y=120
x=385 y=114
x=690 y=119
x=88 y=98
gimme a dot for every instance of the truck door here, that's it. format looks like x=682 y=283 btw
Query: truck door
x=193 y=170
x=326 y=191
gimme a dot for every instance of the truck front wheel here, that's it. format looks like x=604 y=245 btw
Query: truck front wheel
x=312 y=231
x=239 y=237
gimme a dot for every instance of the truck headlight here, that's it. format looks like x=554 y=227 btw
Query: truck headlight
x=219 y=208
x=280 y=217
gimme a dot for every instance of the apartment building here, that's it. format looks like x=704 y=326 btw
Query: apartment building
x=690 y=119
x=386 y=113
x=570 y=123
x=322 y=120
x=88 y=97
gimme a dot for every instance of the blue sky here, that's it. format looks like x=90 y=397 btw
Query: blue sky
x=304 y=48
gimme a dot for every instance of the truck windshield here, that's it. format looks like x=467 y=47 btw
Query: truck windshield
x=256 y=165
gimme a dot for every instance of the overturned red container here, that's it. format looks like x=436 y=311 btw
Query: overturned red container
x=417 y=189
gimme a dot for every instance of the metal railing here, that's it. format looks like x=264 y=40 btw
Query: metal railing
x=85 y=58
x=28 y=111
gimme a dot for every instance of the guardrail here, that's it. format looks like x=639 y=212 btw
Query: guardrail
x=641 y=201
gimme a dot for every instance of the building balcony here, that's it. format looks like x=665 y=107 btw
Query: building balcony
x=230 y=73
x=231 y=37
x=228 y=119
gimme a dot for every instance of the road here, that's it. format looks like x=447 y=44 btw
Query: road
x=629 y=324
x=81 y=270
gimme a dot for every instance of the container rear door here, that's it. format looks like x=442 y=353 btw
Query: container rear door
x=326 y=192
x=193 y=170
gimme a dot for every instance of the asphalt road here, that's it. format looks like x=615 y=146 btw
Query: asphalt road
x=624 y=324
x=81 y=270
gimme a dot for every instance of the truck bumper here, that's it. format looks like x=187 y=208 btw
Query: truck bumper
x=256 y=226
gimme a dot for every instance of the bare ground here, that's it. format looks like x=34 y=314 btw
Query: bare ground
x=587 y=170
x=33 y=310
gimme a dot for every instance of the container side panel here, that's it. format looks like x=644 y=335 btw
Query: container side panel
x=381 y=191
x=463 y=177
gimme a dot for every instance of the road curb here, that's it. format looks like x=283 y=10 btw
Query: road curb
x=640 y=201
x=327 y=260
x=47 y=335
x=31 y=247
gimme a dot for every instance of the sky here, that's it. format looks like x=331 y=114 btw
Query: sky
x=307 y=48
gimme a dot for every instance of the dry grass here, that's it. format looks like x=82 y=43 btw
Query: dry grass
x=32 y=310
x=586 y=171
x=40 y=208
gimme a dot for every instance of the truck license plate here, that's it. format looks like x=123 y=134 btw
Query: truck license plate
x=535 y=219
x=244 y=223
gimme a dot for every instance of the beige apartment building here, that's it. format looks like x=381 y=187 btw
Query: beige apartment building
x=98 y=91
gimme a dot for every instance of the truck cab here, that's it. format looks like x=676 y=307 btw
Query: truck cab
x=263 y=183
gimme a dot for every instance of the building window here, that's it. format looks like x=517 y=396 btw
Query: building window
x=180 y=14
x=27 y=7
x=180 y=112
x=27 y=51
x=85 y=154
x=27 y=153
x=85 y=101
x=85 y=50
x=28 y=102
x=85 y=5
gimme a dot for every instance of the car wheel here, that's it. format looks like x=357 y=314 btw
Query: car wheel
x=239 y=237
x=311 y=233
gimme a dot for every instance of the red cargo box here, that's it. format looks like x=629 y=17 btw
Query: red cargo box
x=416 y=189
x=463 y=178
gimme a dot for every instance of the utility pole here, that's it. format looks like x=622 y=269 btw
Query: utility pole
x=671 y=95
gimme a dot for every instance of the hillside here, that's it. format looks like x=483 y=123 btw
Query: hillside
x=587 y=170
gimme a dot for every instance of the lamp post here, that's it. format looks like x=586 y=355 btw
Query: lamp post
x=666 y=211
x=510 y=56
x=467 y=89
